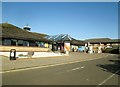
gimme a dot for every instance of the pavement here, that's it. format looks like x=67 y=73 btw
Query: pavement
x=31 y=63
x=36 y=54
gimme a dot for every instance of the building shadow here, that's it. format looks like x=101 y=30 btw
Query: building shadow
x=112 y=67
x=114 y=51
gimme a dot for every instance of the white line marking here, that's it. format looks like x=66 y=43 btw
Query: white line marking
x=47 y=66
x=71 y=70
x=82 y=67
x=87 y=79
x=76 y=68
x=107 y=79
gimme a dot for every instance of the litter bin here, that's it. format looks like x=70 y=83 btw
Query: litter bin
x=12 y=54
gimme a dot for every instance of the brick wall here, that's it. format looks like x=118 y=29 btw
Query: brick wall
x=23 y=49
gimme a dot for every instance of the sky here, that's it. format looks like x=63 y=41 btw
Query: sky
x=81 y=20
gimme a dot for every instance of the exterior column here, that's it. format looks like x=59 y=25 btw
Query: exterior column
x=16 y=42
x=28 y=44
x=99 y=49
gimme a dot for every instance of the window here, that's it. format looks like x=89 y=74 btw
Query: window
x=41 y=44
x=37 y=43
x=13 y=42
x=32 y=43
x=0 y=41
x=25 y=43
x=7 y=42
x=20 y=42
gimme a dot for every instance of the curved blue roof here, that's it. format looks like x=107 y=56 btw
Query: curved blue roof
x=61 y=37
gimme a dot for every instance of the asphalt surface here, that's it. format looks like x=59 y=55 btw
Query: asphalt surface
x=23 y=63
x=104 y=71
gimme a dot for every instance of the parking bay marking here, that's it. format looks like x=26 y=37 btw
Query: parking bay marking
x=107 y=78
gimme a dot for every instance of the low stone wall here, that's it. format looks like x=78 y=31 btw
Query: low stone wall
x=23 y=49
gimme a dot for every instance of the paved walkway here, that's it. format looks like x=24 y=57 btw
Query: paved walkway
x=44 y=61
x=36 y=54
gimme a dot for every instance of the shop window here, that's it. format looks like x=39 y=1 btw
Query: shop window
x=7 y=42
x=0 y=41
x=37 y=43
x=20 y=42
x=25 y=43
x=13 y=42
x=32 y=43
x=41 y=44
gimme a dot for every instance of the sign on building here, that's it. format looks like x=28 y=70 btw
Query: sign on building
x=67 y=47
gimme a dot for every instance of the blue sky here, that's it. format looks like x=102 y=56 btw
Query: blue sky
x=81 y=20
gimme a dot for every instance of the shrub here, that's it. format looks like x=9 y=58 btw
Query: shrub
x=112 y=50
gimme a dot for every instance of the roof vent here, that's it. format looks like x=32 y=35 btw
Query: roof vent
x=27 y=28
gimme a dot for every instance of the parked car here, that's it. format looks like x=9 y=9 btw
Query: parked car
x=81 y=48
x=109 y=47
